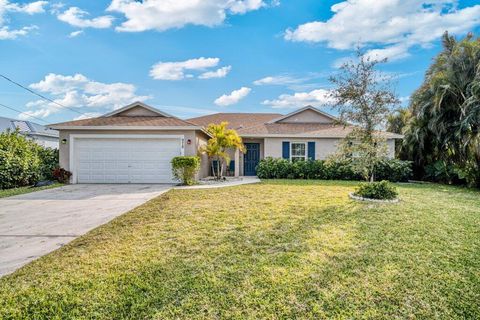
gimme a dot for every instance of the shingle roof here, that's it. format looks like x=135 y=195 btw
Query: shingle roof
x=320 y=130
x=236 y=121
x=256 y=124
x=127 y=122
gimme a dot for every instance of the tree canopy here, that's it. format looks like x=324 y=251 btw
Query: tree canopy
x=442 y=136
x=363 y=96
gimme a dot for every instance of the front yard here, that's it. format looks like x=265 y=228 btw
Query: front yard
x=280 y=249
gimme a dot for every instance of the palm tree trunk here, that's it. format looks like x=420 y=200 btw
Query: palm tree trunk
x=213 y=168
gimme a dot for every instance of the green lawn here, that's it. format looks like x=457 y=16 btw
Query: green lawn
x=276 y=250
x=16 y=191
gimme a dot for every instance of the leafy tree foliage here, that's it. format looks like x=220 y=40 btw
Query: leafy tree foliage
x=222 y=140
x=363 y=96
x=442 y=136
x=19 y=160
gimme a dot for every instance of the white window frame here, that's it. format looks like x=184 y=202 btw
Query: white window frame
x=296 y=156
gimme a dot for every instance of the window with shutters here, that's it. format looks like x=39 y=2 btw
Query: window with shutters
x=298 y=151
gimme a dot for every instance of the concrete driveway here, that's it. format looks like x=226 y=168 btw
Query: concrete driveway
x=37 y=223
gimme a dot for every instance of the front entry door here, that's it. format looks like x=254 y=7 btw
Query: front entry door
x=251 y=158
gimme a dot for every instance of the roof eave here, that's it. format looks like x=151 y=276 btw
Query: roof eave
x=61 y=127
x=303 y=135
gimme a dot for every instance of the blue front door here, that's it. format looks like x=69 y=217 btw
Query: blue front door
x=251 y=159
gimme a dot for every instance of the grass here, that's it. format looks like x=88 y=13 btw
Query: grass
x=22 y=190
x=276 y=250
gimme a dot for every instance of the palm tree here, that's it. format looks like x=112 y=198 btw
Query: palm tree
x=442 y=134
x=222 y=140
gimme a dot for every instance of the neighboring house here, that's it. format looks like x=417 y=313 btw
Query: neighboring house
x=135 y=144
x=40 y=134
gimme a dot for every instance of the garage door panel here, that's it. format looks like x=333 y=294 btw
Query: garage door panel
x=125 y=160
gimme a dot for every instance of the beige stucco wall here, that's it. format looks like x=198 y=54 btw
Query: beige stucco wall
x=201 y=140
x=64 y=150
x=391 y=148
x=323 y=147
x=307 y=116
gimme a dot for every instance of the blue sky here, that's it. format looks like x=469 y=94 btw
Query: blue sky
x=191 y=57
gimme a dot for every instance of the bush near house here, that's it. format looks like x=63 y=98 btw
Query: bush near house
x=23 y=162
x=19 y=161
x=382 y=190
x=185 y=168
x=48 y=162
x=271 y=168
x=61 y=175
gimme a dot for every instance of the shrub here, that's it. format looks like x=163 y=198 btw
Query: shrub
x=61 y=175
x=382 y=190
x=185 y=168
x=19 y=161
x=48 y=163
x=270 y=168
x=393 y=170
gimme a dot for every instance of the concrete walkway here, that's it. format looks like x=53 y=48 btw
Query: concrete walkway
x=37 y=223
x=232 y=183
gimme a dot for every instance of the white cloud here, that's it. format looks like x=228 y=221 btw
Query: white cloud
x=78 y=91
x=241 y=7
x=393 y=26
x=278 y=81
x=7 y=33
x=88 y=115
x=317 y=97
x=28 y=8
x=77 y=17
x=75 y=33
x=162 y=15
x=219 y=73
x=177 y=70
x=232 y=98
x=41 y=113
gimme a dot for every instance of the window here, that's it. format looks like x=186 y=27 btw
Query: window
x=298 y=151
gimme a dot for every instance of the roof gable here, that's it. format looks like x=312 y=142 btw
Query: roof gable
x=307 y=114
x=138 y=109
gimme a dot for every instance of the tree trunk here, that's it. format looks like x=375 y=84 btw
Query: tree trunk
x=213 y=168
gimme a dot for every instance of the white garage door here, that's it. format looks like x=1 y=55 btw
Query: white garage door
x=125 y=160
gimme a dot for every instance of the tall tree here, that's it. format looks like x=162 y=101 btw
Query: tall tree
x=364 y=97
x=442 y=137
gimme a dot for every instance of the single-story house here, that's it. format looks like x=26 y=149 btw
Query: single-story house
x=33 y=131
x=135 y=144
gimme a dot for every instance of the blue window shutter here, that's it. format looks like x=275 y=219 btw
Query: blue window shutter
x=311 y=150
x=286 y=150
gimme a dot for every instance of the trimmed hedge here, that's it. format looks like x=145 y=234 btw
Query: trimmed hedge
x=185 y=168
x=272 y=168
